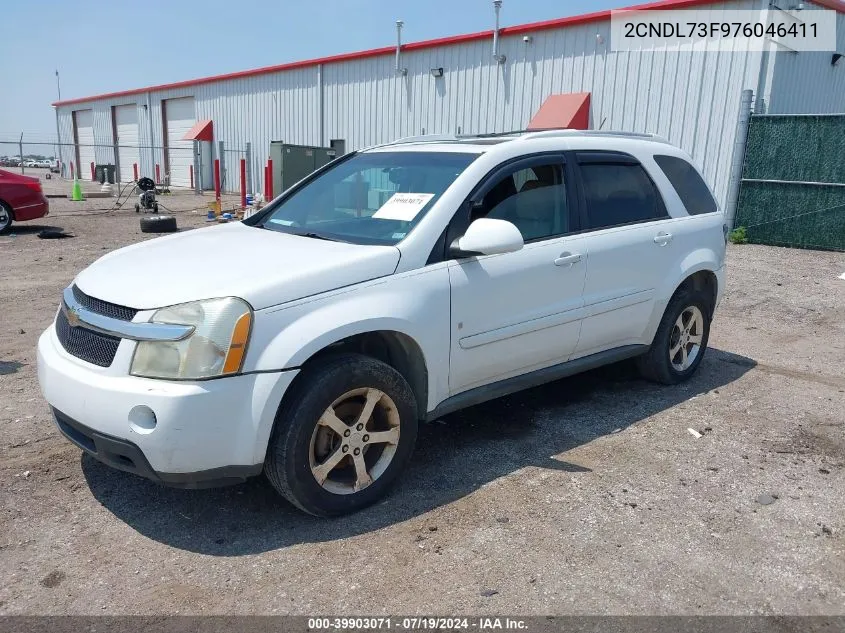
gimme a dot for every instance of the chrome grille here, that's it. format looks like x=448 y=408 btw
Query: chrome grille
x=92 y=347
x=104 y=307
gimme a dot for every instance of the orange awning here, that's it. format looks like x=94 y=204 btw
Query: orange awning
x=202 y=131
x=571 y=110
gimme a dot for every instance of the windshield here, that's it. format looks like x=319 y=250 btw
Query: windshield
x=370 y=198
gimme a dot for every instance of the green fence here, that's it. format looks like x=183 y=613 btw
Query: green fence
x=793 y=182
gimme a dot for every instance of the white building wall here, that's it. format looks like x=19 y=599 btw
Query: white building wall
x=692 y=98
x=806 y=82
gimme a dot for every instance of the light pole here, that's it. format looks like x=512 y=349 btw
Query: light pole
x=58 y=135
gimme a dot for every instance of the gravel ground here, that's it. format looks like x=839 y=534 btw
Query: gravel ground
x=587 y=495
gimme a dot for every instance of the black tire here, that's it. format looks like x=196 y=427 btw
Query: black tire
x=288 y=462
x=158 y=224
x=137 y=208
x=155 y=207
x=6 y=212
x=655 y=365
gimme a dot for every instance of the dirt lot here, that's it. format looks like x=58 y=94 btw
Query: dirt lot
x=587 y=495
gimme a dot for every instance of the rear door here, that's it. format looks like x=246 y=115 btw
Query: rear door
x=516 y=312
x=630 y=244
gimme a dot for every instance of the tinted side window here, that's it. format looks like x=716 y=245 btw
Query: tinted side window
x=688 y=183
x=533 y=198
x=619 y=194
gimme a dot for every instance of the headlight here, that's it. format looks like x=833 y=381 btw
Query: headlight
x=216 y=347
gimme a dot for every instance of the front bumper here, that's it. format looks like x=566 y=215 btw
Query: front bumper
x=204 y=432
x=124 y=455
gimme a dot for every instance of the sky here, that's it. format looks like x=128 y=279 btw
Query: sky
x=100 y=47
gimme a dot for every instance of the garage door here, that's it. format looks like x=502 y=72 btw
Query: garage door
x=128 y=154
x=85 y=142
x=181 y=117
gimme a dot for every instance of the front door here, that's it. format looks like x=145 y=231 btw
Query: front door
x=516 y=312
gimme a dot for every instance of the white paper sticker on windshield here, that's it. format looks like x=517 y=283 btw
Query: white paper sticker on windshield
x=403 y=206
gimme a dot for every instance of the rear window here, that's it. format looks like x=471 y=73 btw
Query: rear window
x=686 y=180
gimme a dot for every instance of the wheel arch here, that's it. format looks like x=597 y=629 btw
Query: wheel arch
x=391 y=346
x=703 y=280
x=9 y=207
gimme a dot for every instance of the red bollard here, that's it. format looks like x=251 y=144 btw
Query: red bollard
x=158 y=175
x=243 y=183
x=265 y=182
x=191 y=172
x=135 y=170
x=269 y=195
x=71 y=170
x=93 y=173
x=217 y=179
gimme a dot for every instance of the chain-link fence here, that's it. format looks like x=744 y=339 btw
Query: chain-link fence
x=188 y=165
x=793 y=184
x=98 y=162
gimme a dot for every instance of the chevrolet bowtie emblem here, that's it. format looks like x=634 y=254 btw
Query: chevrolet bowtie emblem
x=73 y=317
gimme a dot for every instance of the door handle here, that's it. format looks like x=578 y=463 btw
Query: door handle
x=567 y=259
x=662 y=238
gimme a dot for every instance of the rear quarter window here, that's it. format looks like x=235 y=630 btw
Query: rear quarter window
x=688 y=183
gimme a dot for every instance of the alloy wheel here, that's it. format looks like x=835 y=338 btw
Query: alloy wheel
x=685 y=338
x=354 y=441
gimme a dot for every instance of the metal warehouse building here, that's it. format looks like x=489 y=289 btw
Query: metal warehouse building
x=491 y=81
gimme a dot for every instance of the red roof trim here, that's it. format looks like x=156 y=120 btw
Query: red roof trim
x=835 y=5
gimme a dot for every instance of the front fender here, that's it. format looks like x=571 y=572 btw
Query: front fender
x=415 y=304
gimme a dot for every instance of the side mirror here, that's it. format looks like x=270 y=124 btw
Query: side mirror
x=487 y=237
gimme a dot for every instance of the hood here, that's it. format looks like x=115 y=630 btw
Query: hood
x=263 y=267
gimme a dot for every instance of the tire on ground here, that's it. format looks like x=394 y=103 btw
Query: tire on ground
x=320 y=383
x=655 y=364
x=158 y=224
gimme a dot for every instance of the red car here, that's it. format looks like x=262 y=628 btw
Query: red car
x=21 y=199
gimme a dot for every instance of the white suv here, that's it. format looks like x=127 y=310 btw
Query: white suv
x=393 y=286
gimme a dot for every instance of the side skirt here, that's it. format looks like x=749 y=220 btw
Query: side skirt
x=533 y=379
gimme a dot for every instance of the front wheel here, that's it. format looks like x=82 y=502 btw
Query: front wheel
x=342 y=436
x=681 y=339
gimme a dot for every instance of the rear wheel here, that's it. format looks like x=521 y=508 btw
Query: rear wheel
x=342 y=436
x=681 y=339
x=5 y=217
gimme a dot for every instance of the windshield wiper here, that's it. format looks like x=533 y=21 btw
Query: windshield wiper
x=320 y=236
x=311 y=234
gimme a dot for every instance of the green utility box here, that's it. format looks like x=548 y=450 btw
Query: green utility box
x=292 y=163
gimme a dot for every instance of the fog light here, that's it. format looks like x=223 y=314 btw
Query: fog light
x=142 y=419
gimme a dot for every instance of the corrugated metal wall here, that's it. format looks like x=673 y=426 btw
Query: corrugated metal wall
x=691 y=98
x=807 y=83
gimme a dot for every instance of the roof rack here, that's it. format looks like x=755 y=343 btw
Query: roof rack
x=554 y=133
x=424 y=138
x=523 y=135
